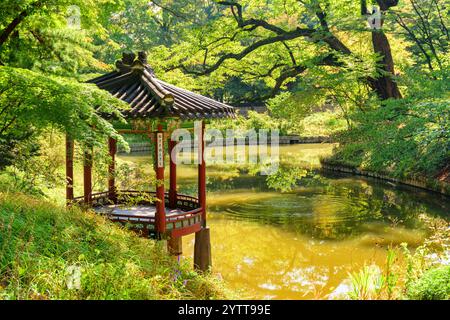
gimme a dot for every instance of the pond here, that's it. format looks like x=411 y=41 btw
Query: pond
x=302 y=243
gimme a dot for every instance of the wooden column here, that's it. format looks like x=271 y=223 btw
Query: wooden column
x=202 y=250
x=173 y=176
x=175 y=246
x=202 y=174
x=69 y=169
x=202 y=247
x=87 y=175
x=160 y=215
x=112 y=195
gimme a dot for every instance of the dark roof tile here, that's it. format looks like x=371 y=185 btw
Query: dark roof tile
x=150 y=97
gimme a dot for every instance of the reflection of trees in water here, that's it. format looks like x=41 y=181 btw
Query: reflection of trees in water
x=240 y=182
x=248 y=176
x=323 y=206
x=328 y=208
x=320 y=205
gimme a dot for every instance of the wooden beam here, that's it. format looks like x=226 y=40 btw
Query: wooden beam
x=133 y=131
x=69 y=169
x=112 y=195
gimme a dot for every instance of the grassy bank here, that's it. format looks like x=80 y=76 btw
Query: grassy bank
x=42 y=245
x=405 y=140
x=412 y=149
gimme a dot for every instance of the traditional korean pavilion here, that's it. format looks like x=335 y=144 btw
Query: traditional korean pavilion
x=171 y=215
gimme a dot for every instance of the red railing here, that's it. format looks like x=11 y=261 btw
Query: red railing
x=187 y=222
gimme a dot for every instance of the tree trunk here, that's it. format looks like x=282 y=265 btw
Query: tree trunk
x=384 y=85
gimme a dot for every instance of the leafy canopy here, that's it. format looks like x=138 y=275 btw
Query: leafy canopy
x=31 y=102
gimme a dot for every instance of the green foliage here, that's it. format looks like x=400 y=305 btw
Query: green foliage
x=371 y=283
x=32 y=102
x=254 y=120
x=433 y=285
x=36 y=111
x=406 y=137
x=427 y=34
x=285 y=179
x=366 y=284
x=322 y=124
x=45 y=40
x=390 y=278
x=33 y=173
x=40 y=243
x=317 y=124
x=263 y=121
x=286 y=106
x=12 y=145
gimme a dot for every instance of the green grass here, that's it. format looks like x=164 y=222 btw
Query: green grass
x=40 y=243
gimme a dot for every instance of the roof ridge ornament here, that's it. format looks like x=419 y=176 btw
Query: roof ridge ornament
x=128 y=58
x=130 y=62
x=124 y=65
x=142 y=57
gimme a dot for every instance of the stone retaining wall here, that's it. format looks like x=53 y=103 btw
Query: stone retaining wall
x=422 y=183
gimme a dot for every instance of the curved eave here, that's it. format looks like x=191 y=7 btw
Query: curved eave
x=150 y=97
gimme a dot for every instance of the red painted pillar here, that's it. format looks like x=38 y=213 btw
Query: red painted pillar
x=111 y=171
x=202 y=173
x=87 y=175
x=69 y=169
x=202 y=247
x=173 y=176
x=160 y=215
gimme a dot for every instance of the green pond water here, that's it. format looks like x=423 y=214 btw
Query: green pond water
x=302 y=243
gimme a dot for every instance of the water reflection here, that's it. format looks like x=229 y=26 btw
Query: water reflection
x=301 y=244
x=326 y=208
x=268 y=262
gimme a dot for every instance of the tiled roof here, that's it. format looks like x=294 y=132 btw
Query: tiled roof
x=135 y=83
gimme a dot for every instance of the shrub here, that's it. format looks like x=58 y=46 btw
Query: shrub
x=402 y=140
x=433 y=285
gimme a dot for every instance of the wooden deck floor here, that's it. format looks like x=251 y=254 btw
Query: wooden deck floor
x=141 y=211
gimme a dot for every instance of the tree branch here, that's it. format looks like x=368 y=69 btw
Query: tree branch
x=258 y=44
x=400 y=21
x=254 y=23
x=281 y=36
x=9 y=29
x=443 y=26
x=171 y=11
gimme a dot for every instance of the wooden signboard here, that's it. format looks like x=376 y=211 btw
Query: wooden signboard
x=160 y=146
